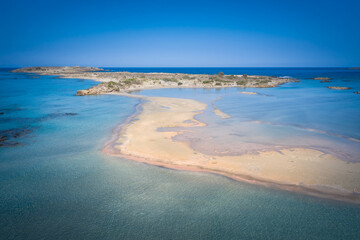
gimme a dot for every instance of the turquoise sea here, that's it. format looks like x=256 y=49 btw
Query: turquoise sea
x=56 y=184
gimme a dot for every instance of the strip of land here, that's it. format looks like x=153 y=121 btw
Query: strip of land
x=115 y=82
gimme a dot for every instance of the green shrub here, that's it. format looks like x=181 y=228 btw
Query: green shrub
x=180 y=83
x=207 y=81
x=263 y=81
x=221 y=74
x=131 y=81
x=128 y=82
x=170 y=80
x=245 y=75
x=186 y=77
x=241 y=82
x=218 y=84
x=111 y=84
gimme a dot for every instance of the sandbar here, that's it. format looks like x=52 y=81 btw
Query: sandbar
x=296 y=169
x=250 y=93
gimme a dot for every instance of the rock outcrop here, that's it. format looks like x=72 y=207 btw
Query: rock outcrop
x=321 y=78
x=340 y=88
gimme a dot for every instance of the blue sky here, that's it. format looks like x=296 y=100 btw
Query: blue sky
x=180 y=33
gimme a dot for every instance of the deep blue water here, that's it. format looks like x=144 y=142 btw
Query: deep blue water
x=56 y=184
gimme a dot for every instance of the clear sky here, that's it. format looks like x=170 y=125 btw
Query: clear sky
x=184 y=33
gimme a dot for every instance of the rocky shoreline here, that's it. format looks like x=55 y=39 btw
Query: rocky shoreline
x=122 y=82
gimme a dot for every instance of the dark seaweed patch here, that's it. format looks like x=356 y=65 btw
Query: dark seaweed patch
x=11 y=109
x=8 y=137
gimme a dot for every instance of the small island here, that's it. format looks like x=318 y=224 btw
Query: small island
x=124 y=82
x=339 y=88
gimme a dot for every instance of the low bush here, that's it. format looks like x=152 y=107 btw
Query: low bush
x=111 y=84
x=263 y=81
x=241 y=82
x=131 y=81
x=170 y=80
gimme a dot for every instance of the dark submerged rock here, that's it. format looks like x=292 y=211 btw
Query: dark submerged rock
x=7 y=136
x=339 y=88
x=321 y=78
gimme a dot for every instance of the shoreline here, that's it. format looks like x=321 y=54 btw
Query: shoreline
x=119 y=141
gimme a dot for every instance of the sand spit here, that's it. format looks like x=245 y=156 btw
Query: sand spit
x=217 y=111
x=297 y=169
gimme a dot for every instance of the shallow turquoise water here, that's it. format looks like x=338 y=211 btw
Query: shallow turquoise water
x=301 y=114
x=58 y=185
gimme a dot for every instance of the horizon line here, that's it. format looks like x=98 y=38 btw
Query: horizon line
x=166 y=66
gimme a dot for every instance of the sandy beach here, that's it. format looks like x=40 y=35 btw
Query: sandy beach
x=296 y=169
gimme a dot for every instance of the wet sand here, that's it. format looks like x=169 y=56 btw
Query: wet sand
x=296 y=169
x=249 y=93
x=217 y=111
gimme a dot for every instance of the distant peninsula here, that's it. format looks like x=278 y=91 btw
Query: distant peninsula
x=122 y=82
